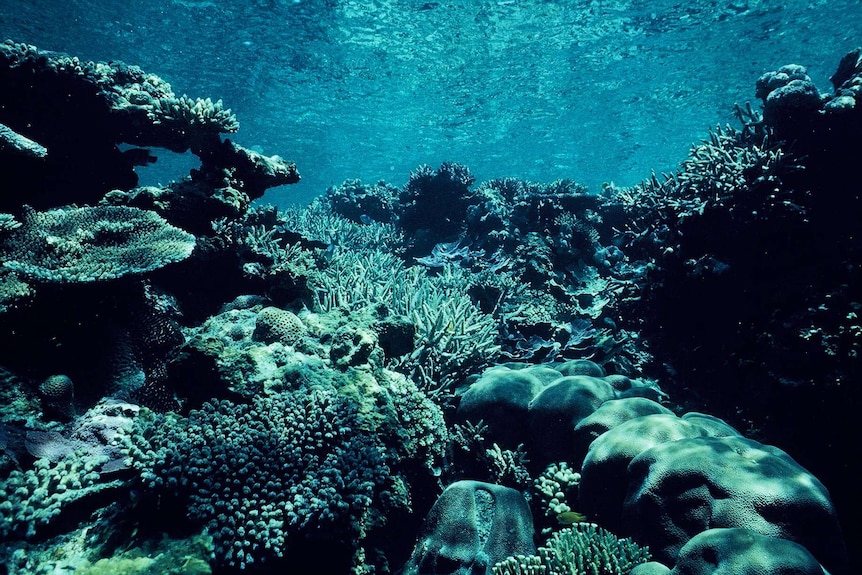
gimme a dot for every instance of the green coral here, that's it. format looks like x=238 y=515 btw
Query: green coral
x=34 y=498
x=583 y=549
x=91 y=244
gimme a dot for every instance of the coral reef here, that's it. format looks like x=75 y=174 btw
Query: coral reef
x=509 y=361
x=261 y=477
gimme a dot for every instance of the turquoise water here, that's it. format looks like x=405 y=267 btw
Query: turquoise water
x=593 y=91
x=291 y=389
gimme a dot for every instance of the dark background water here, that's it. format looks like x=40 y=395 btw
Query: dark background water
x=593 y=91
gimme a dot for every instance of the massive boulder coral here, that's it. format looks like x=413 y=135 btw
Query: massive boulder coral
x=548 y=400
x=749 y=266
x=743 y=552
x=471 y=527
x=681 y=488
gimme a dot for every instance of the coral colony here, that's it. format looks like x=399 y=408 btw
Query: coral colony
x=435 y=378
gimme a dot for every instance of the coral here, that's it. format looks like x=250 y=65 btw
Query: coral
x=201 y=117
x=353 y=346
x=102 y=105
x=558 y=408
x=787 y=94
x=275 y=324
x=227 y=165
x=433 y=205
x=587 y=548
x=744 y=552
x=609 y=415
x=318 y=223
x=58 y=397
x=259 y=476
x=549 y=403
x=556 y=487
x=453 y=338
x=584 y=549
x=472 y=526
x=142 y=107
x=361 y=203
x=12 y=141
x=604 y=480
x=681 y=488
x=498 y=397
x=92 y=244
x=33 y=500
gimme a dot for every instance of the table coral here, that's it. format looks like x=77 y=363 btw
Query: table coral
x=92 y=244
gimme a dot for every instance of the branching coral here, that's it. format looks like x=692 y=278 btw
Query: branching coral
x=32 y=500
x=263 y=476
x=720 y=173
x=584 y=549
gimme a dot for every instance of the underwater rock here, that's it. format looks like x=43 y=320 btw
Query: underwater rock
x=471 y=527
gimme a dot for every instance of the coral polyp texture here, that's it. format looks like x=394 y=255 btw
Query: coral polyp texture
x=91 y=244
x=265 y=476
x=440 y=377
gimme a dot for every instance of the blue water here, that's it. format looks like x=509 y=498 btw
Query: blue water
x=593 y=91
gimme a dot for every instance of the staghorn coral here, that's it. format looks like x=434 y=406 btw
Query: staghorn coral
x=318 y=223
x=92 y=244
x=584 y=549
x=11 y=141
x=732 y=170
